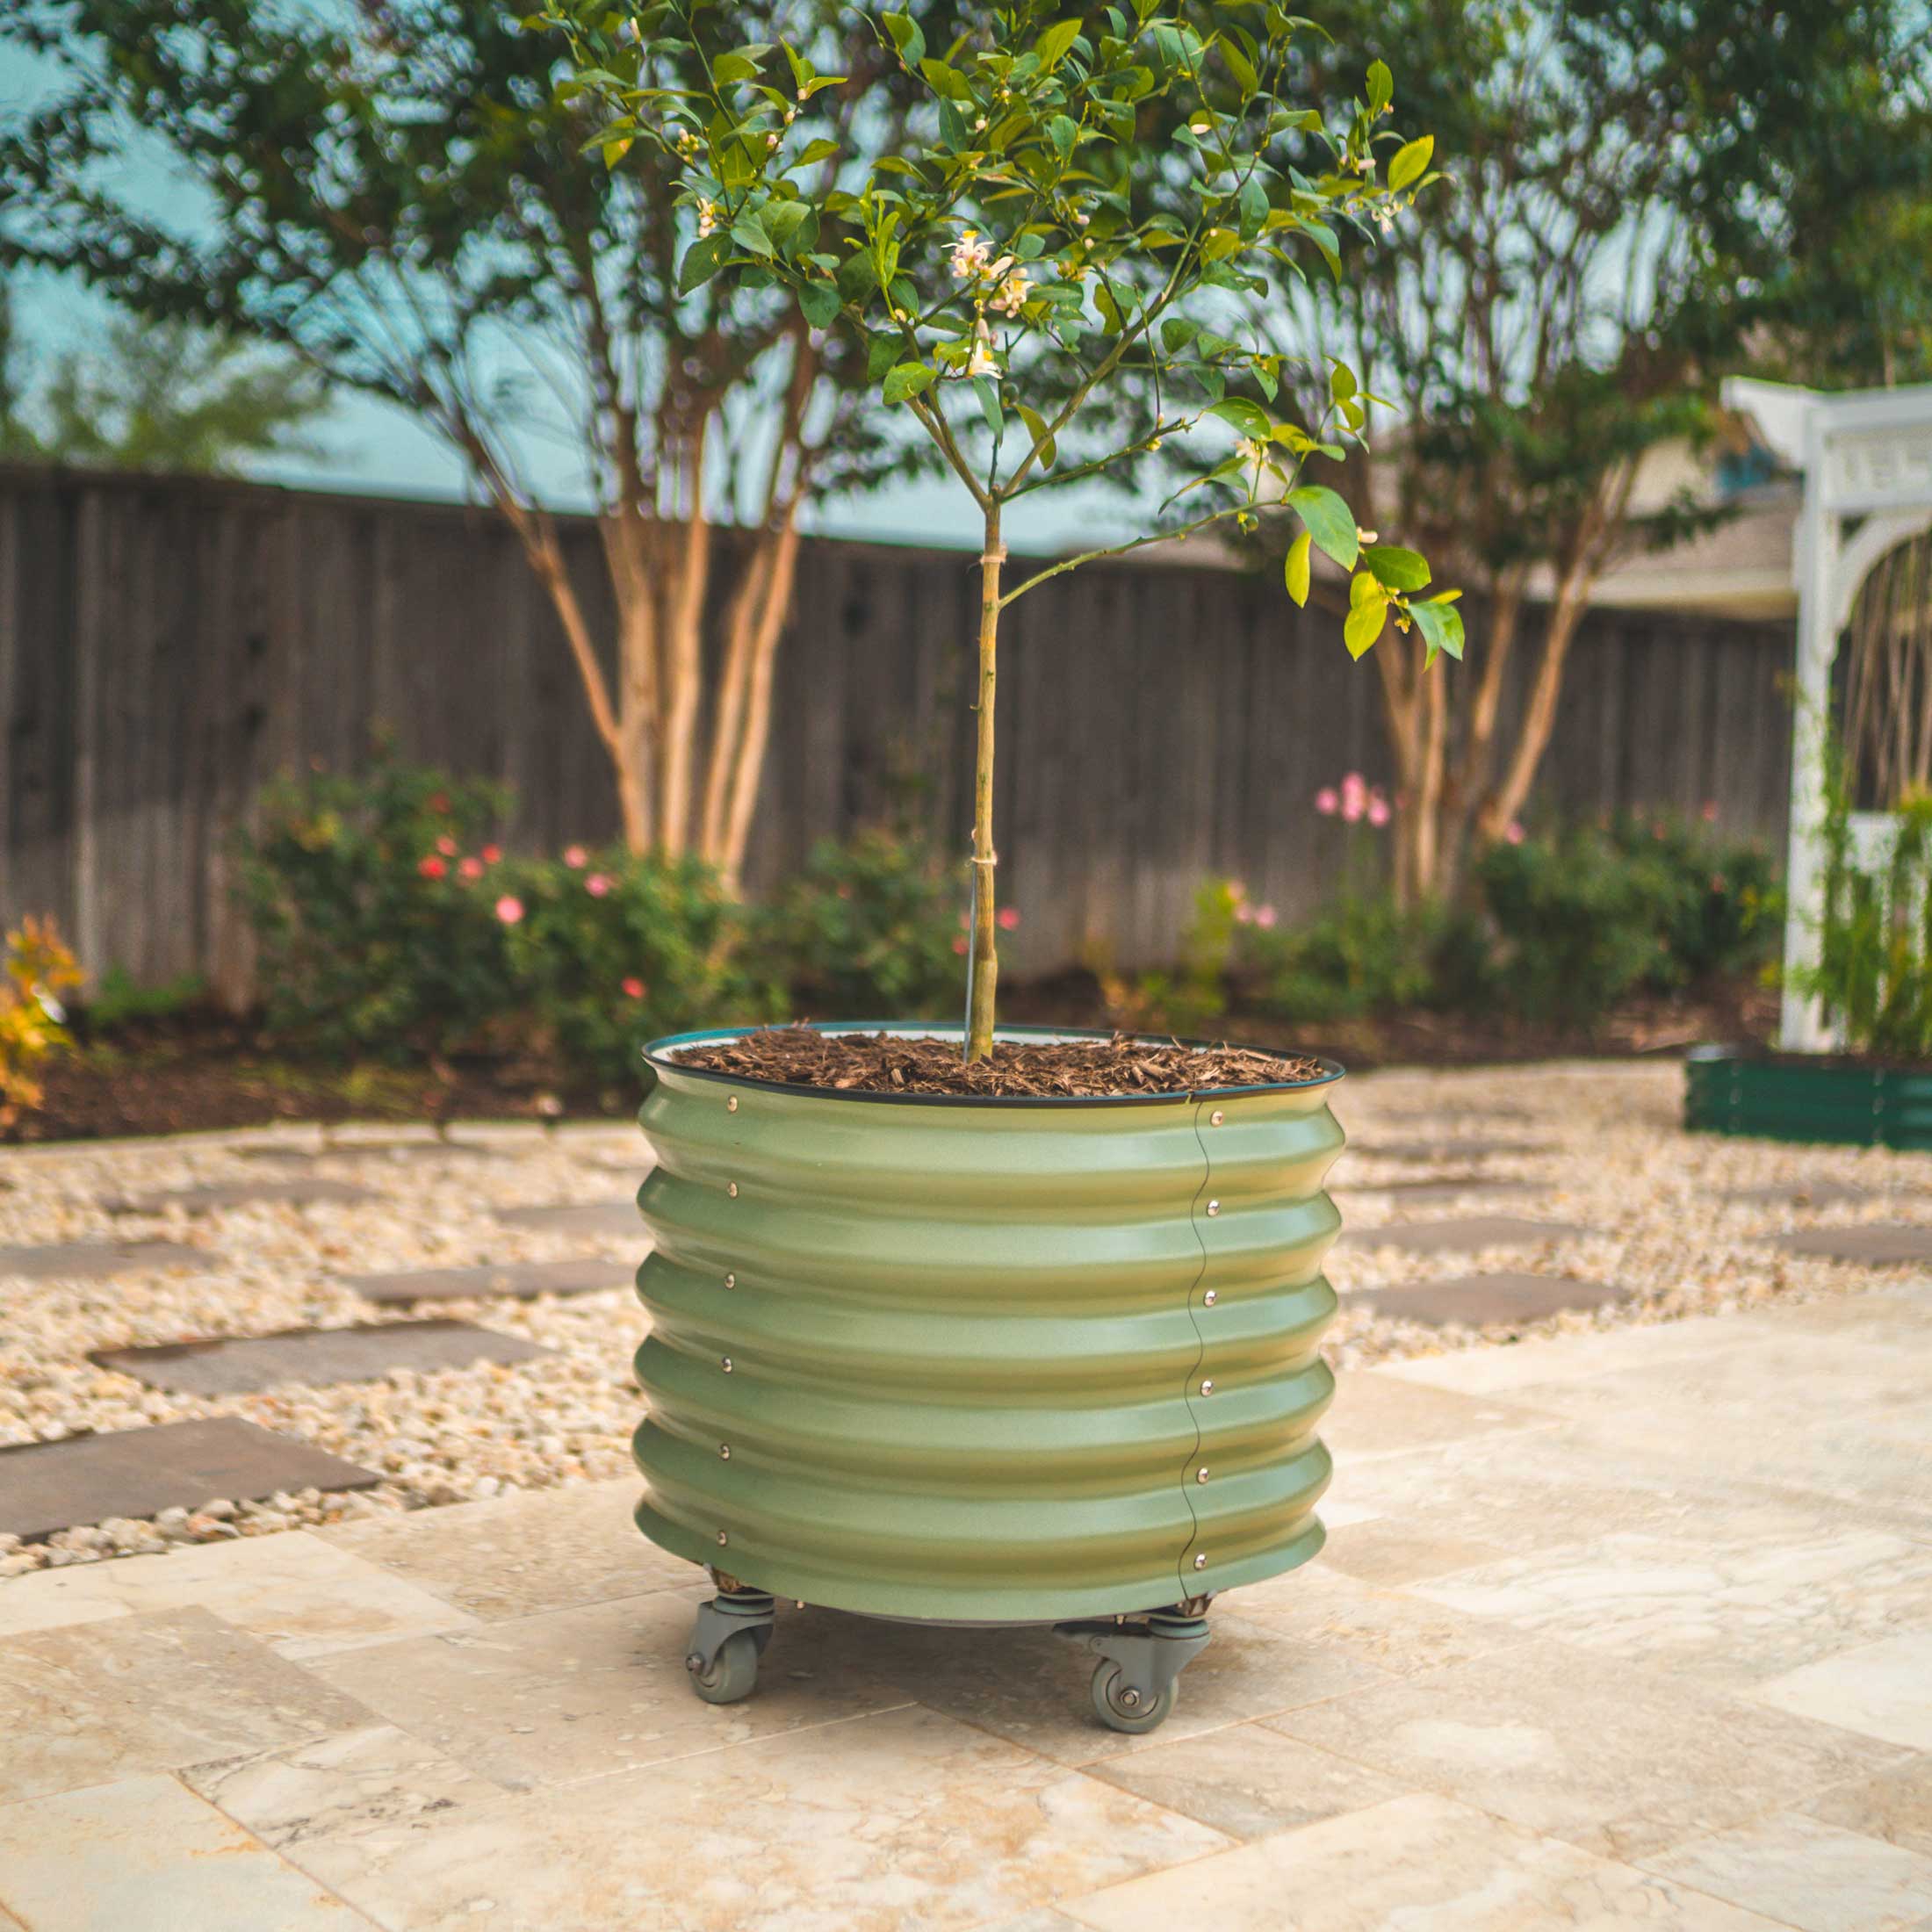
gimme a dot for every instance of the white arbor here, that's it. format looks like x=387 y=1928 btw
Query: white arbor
x=1866 y=458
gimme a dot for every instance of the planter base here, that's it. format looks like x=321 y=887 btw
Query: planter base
x=1789 y=1098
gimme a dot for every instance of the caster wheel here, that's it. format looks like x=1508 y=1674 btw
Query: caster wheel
x=734 y=1671
x=1109 y=1707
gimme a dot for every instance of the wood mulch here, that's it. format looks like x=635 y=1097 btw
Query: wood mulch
x=1040 y=1070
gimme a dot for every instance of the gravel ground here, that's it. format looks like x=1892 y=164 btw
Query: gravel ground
x=1614 y=1161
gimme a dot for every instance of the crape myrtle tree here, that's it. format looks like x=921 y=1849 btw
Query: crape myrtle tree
x=397 y=190
x=1041 y=297
x=1644 y=197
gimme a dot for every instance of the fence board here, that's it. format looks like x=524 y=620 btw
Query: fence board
x=167 y=646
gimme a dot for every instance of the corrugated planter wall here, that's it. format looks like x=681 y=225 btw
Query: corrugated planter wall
x=984 y=1359
x=1787 y=1098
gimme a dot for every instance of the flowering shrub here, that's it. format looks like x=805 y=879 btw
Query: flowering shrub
x=607 y=951
x=871 y=929
x=373 y=938
x=1365 y=954
x=1721 y=909
x=36 y=969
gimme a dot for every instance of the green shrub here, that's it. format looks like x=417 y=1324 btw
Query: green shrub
x=1874 y=974
x=1363 y=956
x=609 y=951
x=372 y=942
x=117 y=999
x=1720 y=907
x=870 y=930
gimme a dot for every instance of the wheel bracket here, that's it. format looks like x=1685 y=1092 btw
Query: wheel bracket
x=721 y=1618
x=1151 y=1652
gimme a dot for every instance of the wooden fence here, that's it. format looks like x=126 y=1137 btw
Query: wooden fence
x=167 y=645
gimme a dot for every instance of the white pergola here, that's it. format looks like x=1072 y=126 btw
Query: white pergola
x=1866 y=458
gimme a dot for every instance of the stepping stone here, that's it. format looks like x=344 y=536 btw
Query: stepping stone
x=89 y=1260
x=1435 y=1187
x=48 y=1486
x=517 y=1281
x=1802 y=1193
x=617 y=1218
x=202 y=1201
x=1878 y=1247
x=1480 y=1301
x=316 y=1357
x=1444 y=1150
x=394 y=1150
x=1446 y=1237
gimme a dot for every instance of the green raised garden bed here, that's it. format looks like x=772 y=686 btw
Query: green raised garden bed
x=986 y=1360
x=1796 y=1097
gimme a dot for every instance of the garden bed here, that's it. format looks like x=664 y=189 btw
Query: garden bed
x=1851 y=1098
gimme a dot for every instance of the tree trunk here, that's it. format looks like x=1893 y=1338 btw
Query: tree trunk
x=986 y=972
x=747 y=762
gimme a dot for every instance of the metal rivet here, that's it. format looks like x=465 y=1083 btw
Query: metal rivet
x=1131 y=1698
x=730 y=1105
x=721 y=1538
x=724 y=1450
x=1200 y=1475
x=731 y=1189
x=1200 y=1562
x=1206 y=1388
x=1214 y=1207
x=1216 y=1117
x=726 y=1365
x=730 y=1280
x=1210 y=1298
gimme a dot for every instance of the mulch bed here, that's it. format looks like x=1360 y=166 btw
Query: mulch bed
x=1041 y=1069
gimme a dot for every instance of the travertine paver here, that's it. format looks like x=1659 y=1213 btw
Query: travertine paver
x=1882 y=1246
x=1435 y=1187
x=1478 y=1301
x=1562 y=1671
x=206 y=1201
x=231 y=1364
x=137 y=1472
x=1373 y=1147
x=1797 y=1193
x=513 y=1280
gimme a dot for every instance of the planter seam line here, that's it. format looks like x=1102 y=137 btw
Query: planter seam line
x=1200 y=1353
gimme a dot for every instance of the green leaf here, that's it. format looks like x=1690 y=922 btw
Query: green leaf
x=1177 y=332
x=947 y=81
x=734 y=66
x=750 y=237
x=907 y=379
x=702 y=260
x=906 y=38
x=1036 y=428
x=1296 y=569
x=1253 y=202
x=1052 y=45
x=1064 y=130
x=1440 y=623
x=1342 y=382
x=818 y=303
x=1368 y=614
x=1411 y=161
x=1240 y=67
x=988 y=391
x=1400 y=569
x=1248 y=417
x=1382 y=89
x=817 y=151
x=1330 y=521
x=1219 y=244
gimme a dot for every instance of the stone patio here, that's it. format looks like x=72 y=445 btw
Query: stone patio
x=1628 y=1627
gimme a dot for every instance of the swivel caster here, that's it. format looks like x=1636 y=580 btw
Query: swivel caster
x=1120 y=1707
x=732 y=1674
x=726 y=1642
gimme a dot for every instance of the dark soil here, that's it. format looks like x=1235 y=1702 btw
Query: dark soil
x=1044 y=1070
x=204 y=1070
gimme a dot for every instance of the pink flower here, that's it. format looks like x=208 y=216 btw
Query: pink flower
x=1709 y=810
x=471 y=868
x=1326 y=802
x=439 y=800
x=491 y=853
x=1377 y=809
x=1009 y=918
x=845 y=891
x=959 y=946
x=633 y=989
x=431 y=868
x=1354 y=792
x=576 y=858
x=509 y=909
x=1265 y=919
x=1353 y=806
x=965 y=922
x=1243 y=915
x=597 y=884
x=1237 y=889
x=1513 y=831
x=446 y=845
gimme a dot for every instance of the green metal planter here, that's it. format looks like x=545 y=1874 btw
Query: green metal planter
x=1789 y=1098
x=984 y=1360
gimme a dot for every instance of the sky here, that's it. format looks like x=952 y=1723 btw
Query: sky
x=370 y=447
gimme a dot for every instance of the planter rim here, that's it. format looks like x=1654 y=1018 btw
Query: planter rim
x=658 y=1055
x=1805 y=1063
